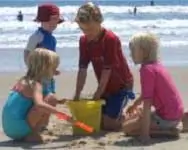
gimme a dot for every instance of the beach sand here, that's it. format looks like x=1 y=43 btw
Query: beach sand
x=115 y=140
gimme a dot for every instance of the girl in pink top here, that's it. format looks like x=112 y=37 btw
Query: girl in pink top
x=157 y=90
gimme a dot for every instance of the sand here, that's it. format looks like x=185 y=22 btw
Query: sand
x=113 y=140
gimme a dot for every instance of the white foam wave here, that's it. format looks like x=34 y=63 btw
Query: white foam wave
x=105 y=9
x=21 y=45
x=170 y=30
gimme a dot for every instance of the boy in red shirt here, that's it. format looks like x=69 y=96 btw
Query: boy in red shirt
x=103 y=49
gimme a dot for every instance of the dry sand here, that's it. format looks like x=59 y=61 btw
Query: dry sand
x=116 y=141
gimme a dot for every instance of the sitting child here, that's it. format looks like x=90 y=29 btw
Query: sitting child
x=157 y=90
x=27 y=108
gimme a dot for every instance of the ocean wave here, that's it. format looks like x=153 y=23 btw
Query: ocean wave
x=165 y=21
x=105 y=9
x=66 y=44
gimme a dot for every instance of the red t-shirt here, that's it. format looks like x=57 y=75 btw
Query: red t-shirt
x=106 y=53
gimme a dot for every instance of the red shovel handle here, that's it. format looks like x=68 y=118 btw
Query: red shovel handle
x=79 y=124
x=83 y=126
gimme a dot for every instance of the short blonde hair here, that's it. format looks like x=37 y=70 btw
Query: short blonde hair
x=148 y=43
x=41 y=64
x=89 y=12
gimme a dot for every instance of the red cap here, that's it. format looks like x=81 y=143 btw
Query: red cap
x=46 y=11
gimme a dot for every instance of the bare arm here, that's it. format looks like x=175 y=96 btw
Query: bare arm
x=81 y=78
x=38 y=101
x=102 y=83
x=132 y=107
x=137 y=102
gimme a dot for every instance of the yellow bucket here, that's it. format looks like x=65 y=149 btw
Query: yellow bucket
x=88 y=112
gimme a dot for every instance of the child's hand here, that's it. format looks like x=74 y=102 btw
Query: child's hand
x=130 y=109
x=133 y=112
x=62 y=101
x=76 y=97
x=57 y=72
x=97 y=95
x=51 y=99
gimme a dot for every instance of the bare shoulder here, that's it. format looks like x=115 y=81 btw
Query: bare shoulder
x=38 y=86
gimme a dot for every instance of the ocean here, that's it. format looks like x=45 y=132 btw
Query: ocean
x=167 y=19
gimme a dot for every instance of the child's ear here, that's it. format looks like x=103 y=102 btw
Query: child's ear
x=57 y=72
x=143 y=55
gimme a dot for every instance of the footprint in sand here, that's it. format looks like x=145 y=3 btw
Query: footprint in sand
x=82 y=142
x=102 y=143
x=77 y=143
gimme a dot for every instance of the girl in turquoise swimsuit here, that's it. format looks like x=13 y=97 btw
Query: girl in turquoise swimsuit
x=27 y=106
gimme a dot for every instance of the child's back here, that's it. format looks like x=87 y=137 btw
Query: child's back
x=41 y=39
x=14 y=105
x=157 y=85
x=14 y=116
x=157 y=89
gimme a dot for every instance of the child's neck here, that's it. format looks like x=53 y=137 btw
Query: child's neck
x=150 y=62
x=46 y=27
x=99 y=31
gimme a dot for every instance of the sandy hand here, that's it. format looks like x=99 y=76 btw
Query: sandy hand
x=57 y=72
x=133 y=113
x=62 y=101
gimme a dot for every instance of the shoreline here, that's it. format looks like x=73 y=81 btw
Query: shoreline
x=11 y=60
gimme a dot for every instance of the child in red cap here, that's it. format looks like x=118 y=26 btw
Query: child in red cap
x=49 y=17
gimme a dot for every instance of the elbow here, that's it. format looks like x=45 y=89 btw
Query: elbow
x=106 y=74
x=107 y=71
x=39 y=104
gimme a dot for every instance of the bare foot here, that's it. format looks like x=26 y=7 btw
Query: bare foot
x=37 y=138
x=34 y=138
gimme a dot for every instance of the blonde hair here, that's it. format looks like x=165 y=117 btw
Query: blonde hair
x=89 y=12
x=148 y=43
x=41 y=64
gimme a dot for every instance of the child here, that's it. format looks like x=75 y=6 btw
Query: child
x=103 y=49
x=49 y=17
x=27 y=106
x=157 y=90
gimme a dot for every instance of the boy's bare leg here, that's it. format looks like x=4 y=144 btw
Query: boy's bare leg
x=110 y=123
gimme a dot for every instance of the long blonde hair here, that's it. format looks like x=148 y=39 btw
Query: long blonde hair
x=41 y=65
x=148 y=43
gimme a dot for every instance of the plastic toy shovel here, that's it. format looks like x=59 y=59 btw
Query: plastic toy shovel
x=63 y=116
